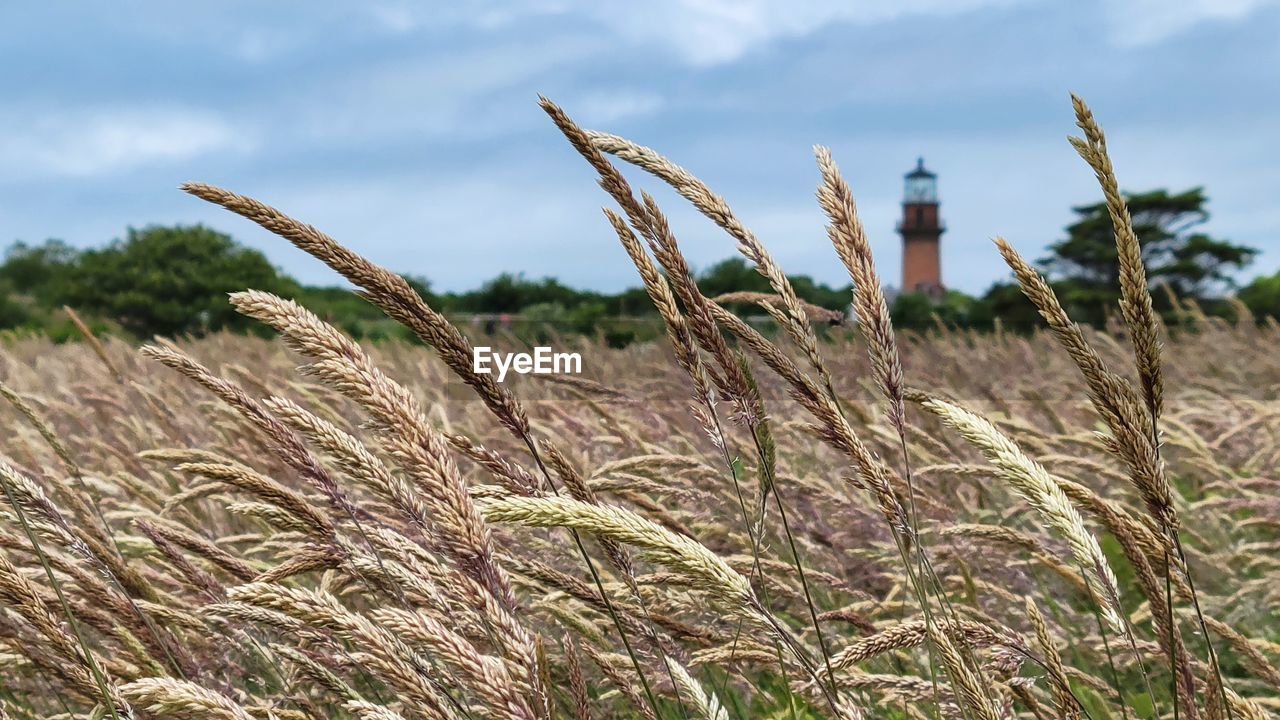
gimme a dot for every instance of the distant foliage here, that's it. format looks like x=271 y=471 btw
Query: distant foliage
x=173 y=280
x=170 y=280
x=156 y=280
x=917 y=311
x=1192 y=263
x=1262 y=296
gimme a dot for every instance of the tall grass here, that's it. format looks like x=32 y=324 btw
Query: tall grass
x=840 y=522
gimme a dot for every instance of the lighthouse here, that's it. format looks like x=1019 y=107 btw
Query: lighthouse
x=921 y=231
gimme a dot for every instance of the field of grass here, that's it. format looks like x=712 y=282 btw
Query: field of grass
x=828 y=523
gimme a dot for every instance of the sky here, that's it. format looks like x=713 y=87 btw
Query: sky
x=411 y=132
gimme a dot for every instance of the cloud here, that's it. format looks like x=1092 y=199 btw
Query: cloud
x=458 y=231
x=453 y=93
x=412 y=132
x=1134 y=23
x=701 y=32
x=396 y=19
x=257 y=46
x=61 y=144
x=713 y=32
x=610 y=106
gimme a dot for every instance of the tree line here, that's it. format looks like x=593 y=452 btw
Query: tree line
x=173 y=280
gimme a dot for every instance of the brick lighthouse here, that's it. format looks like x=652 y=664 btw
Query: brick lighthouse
x=921 y=231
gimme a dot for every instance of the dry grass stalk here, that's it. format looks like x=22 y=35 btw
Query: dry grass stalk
x=870 y=307
x=794 y=318
x=1128 y=419
x=1068 y=707
x=388 y=291
x=713 y=575
x=1035 y=485
x=771 y=303
x=1135 y=295
x=647 y=220
x=166 y=696
x=705 y=703
x=93 y=341
x=416 y=444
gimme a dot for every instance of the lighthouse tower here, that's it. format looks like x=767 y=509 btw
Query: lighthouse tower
x=921 y=231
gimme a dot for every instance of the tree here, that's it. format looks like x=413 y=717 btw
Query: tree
x=1193 y=263
x=912 y=311
x=918 y=311
x=171 y=280
x=630 y=302
x=735 y=275
x=422 y=286
x=39 y=271
x=732 y=275
x=1262 y=296
x=1005 y=302
x=509 y=293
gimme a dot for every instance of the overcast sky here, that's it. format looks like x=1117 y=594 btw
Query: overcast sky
x=413 y=136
